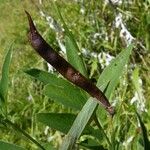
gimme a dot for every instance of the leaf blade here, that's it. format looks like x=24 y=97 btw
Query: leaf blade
x=5 y=73
x=89 y=107
x=114 y=70
x=6 y=146
x=5 y=80
x=144 y=133
x=60 y=90
x=59 y=121
x=73 y=52
x=69 y=97
x=42 y=76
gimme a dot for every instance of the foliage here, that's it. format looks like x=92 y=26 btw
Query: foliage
x=51 y=112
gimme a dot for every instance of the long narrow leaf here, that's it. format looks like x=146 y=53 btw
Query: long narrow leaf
x=79 y=125
x=63 y=122
x=60 y=90
x=9 y=146
x=74 y=56
x=5 y=72
x=115 y=70
x=73 y=52
x=88 y=109
x=5 y=80
x=66 y=94
x=144 y=133
x=59 y=121
x=112 y=73
x=43 y=76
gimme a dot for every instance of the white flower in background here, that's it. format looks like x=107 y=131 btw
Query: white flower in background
x=50 y=138
x=114 y=102
x=114 y=2
x=50 y=68
x=104 y=59
x=93 y=54
x=51 y=22
x=139 y=99
x=47 y=133
x=97 y=35
x=61 y=45
x=103 y=35
x=58 y=30
x=118 y=20
x=40 y=2
x=128 y=141
x=135 y=98
x=30 y=98
x=82 y=11
x=85 y=52
x=42 y=14
x=125 y=35
x=46 y=130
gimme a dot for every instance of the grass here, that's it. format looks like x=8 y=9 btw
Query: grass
x=91 y=24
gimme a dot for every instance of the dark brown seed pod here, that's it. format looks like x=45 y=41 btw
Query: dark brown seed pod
x=65 y=68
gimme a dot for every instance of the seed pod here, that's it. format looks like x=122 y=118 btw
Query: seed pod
x=65 y=68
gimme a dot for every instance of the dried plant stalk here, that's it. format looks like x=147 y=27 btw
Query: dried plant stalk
x=65 y=68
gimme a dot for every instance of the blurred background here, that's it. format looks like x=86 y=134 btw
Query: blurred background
x=101 y=29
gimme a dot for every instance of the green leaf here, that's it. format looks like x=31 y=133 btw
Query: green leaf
x=79 y=124
x=111 y=74
x=115 y=70
x=66 y=94
x=137 y=85
x=5 y=76
x=91 y=144
x=9 y=146
x=63 y=122
x=144 y=133
x=59 y=121
x=74 y=55
x=43 y=76
x=136 y=78
x=48 y=146
x=60 y=90
x=73 y=52
x=5 y=73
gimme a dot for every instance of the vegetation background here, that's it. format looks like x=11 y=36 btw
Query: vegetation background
x=102 y=30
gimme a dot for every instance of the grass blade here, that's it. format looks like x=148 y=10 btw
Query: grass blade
x=43 y=76
x=5 y=78
x=6 y=146
x=66 y=94
x=114 y=70
x=59 y=121
x=79 y=125
x=63 y=122
x=73 y=52
x=59 y=89
x=88 y=109
x=16 y=128
x=144 y=133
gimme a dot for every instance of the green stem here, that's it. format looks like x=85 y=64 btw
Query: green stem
x=23 y=132
x=101 y=128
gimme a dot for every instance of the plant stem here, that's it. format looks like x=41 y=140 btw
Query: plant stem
x=101 y=128
x=23 y=132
